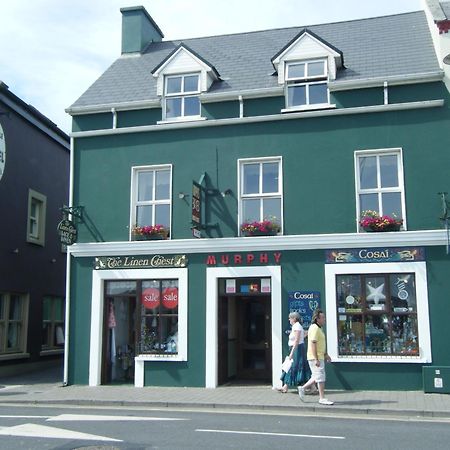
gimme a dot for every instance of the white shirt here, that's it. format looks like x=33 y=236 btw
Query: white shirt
x=296 y=327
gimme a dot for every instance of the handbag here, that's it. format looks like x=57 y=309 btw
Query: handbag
x=287 y=364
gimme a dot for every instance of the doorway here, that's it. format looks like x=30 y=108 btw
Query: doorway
x=245 y=335
x=119 y=339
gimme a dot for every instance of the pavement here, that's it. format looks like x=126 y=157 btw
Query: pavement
x=46 y=388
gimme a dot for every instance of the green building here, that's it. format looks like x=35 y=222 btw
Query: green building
x=225 y=181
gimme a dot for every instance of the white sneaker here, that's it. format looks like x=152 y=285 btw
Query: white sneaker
x=301 y=393
x=325 y=401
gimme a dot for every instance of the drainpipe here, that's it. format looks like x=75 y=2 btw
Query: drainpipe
x=67 y=316
x=241 y=107
x=114 y=114
x=386 y=93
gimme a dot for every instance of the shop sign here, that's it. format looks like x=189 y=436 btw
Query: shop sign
x=67 y=232
x=374 y=255
x=150 y=298
x=140 y=262
x=305 y=303
x=196 y=204
x=246 y=259
x=170 y=297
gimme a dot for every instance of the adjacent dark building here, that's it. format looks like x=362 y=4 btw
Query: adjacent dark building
x=34 y=180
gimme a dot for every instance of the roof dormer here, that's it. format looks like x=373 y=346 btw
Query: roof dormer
x=308 y=46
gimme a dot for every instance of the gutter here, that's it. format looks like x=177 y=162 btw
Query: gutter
x=260 y=119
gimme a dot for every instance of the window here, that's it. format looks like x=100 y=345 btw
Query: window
x=159 y=317
x=13 y=323
x=151 y=194
x=306 y=83
x=380 y=183
x=52 y=323
x=37 y=204
x=261 y=190
x=378 y=312
x=181 y=96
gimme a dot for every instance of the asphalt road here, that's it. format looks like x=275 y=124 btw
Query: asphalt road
x=64 y=428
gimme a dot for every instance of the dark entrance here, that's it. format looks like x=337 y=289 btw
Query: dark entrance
x=244 y=350
x=119 y=335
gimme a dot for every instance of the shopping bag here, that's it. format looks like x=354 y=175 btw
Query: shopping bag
x=287 y=364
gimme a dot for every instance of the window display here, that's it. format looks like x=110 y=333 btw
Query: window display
x=377 y=314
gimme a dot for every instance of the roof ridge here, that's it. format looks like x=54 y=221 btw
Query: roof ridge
x=179 y=40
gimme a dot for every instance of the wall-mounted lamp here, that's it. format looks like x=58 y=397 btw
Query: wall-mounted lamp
x=182 y=195
x=226 y=192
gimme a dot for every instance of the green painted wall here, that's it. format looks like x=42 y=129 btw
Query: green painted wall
x=357 y=97
x=138 y=118
x=263 y=106
x=88 y=122
x=222 y=110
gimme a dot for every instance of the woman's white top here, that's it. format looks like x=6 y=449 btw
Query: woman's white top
x=296 y=327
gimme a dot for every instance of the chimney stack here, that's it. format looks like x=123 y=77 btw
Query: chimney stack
x=138 y=29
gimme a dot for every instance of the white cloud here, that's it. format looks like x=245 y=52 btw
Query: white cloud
x=53 y=50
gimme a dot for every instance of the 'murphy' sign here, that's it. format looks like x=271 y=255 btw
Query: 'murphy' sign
x=140 y=262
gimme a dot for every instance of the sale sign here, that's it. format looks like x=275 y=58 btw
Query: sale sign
x=150 y=298
x=170 y=297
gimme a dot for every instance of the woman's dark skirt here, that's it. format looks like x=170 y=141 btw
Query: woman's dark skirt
x=299 y=373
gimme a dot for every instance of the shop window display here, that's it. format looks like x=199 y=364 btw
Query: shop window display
x=377 y=314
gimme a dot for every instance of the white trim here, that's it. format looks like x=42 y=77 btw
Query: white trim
x=245 y=94
x=212 y=276
x=423 y=319
x=395 y=151
x=118 y=106
x=268 y=118
x=308 y=107
x=344 y=85
x=97 y=305
x=264 y=243
x=180 y=119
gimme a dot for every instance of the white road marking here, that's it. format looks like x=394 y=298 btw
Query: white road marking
x=273 y=434
x=13 y=386
x=23 y=417
x=94 y=417
x=33 y=430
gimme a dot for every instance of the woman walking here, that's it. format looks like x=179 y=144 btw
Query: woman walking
x=299 y=371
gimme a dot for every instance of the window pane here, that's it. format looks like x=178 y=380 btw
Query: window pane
x=162 y=185
x=169 y=297
x=270 y=177
x=392 y=204
x=405 y=335
x=403 y=292
x=145 y=186
x=173 y=107
x=296 y=95
x=350 y=334
x=368 y=172
x=318 y=93
x=144 y=215
x=296 y=70
x=251 y=179
x=58 y=309
x=46 y=327
x=162 y=215
x=120 y=287
x=34 y=208
x=377 y=334
x=191 y=83
x=349 y=298
x=316 y=69
x=173 y=85
x=250 y=210
x=46 y=309
x=191 y=106
x=368 y=202
x=15 y=308
x=2 y=306
x=14 y=331
x=376 y=290
x=388 y=171
x=272 y=209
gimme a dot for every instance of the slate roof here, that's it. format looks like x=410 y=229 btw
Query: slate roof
x=376 y=47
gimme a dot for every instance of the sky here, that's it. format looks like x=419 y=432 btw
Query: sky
x=51 y=51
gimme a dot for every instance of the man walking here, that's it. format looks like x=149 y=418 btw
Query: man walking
x=317 y=355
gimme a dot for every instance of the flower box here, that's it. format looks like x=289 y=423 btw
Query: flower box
x=263 y=228
x=149 y=233
x=371 y=221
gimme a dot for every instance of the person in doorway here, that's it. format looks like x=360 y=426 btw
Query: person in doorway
x=317 y=355
x=299 y=371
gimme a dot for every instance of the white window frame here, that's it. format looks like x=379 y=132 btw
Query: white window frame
x=182 y=95
x=97 y=304
x=39 y=219
x=306 y=81
x=260 y=195
x=423 y=320
x=4 y=326
x=379 y=190
x=134 y=193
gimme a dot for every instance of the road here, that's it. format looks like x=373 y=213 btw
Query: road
x=69 y=428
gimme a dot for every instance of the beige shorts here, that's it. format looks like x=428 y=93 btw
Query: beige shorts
x=317 y=373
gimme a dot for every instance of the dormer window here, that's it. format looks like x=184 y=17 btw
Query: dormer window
x=181 y=96
x=306 y=83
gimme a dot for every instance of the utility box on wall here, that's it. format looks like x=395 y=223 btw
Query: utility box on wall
x=436 y=379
